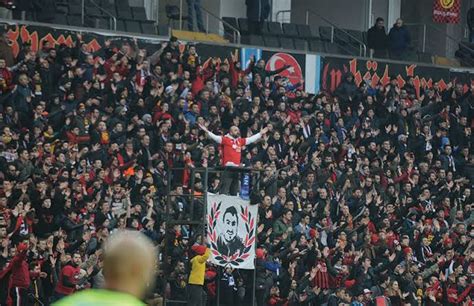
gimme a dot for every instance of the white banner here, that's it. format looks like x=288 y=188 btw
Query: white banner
x=231 y=231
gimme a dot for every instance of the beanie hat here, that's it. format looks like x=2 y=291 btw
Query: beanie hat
x=199 y=249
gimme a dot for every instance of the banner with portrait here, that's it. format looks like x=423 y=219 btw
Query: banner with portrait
x=231 y=231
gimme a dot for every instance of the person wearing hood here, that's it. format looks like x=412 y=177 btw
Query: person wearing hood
x=347 y=90
x=399 y=38
x=377 y=39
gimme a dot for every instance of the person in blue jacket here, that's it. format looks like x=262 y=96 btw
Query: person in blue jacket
x=399 y=38
x=257 y=12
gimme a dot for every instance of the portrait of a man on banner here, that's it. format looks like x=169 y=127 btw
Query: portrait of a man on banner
x=229 y=243
x=231 y=231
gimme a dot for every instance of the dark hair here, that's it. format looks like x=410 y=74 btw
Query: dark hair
x=231 y=210
x=379 y=19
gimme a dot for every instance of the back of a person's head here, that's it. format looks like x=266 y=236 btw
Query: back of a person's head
x=129 y=262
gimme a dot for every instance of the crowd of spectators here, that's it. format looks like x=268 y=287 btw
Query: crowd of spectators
x=365 y=193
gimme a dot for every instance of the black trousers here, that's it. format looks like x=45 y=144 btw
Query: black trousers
x=230 y=183
x=19 y=296
x=195 y=295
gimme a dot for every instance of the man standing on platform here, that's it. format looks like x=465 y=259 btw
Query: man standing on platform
x=377 y=39
x=231 y=145
x=257 y=12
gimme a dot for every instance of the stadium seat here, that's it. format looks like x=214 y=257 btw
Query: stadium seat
x=356 y=36
x=271 y=41
x=75 y=9
x=425 y=57
x=364 y=37
x=341 y=36
x=74 y=2
x=304 y=31
x=243 y=26
x=229 y=32
x=124 y=13
x=325 y=33
x=148 y=27
x=274 y=28
x=121 y=25
x=122 y=5
x=255 y=40
x=172 y=13
x=332 y=48
x=300 y=44
x=139 y=13
x=163 y=29
x=62 y=9
x=74 y=20
x=290 y=29
x=133 y=26
x=103 y=23
x=93 y=11
x=61 y=19
x=316 y=45
x=287 y=43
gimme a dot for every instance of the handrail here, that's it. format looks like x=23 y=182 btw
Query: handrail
x=334 y=26
x=281 y=12
x=455 y=40
x=114 y=19
x=160 y=38
x=235 y=30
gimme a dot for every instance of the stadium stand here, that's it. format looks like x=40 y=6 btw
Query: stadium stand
x=365 y=188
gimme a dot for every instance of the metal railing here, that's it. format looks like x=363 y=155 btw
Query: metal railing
x=236 y=33
x=111 y=17
x=362 y=45
x=424 y=37
x=281 y=12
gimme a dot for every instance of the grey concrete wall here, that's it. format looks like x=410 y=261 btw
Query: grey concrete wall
x=233 y=8
x=441 y=39
x=348 y=14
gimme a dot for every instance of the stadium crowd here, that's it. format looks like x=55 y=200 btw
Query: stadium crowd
x=365 y=193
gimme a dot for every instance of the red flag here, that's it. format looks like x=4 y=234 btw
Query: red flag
x=447 y=11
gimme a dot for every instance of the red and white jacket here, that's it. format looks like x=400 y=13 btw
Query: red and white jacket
x=232 y=147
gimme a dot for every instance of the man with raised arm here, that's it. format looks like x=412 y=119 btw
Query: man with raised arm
x=231 y=146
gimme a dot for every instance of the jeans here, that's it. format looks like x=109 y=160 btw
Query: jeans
x=195 y=5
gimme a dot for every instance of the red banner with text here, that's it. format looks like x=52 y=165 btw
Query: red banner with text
x=447 y=11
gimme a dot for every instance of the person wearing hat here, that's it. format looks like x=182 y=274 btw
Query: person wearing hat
x=196 y=276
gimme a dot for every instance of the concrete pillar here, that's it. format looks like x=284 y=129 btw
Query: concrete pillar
x=280 y=5
x=394 y=11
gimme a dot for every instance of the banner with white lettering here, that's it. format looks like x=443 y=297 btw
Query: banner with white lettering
x=231 y=231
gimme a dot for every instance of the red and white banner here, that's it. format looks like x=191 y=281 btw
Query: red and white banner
x=231 y=231
x=447 y=11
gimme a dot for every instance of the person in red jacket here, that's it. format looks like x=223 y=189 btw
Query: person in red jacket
x=68 y=278
x=275 y=299
x=19 y=277
x=231 y=146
